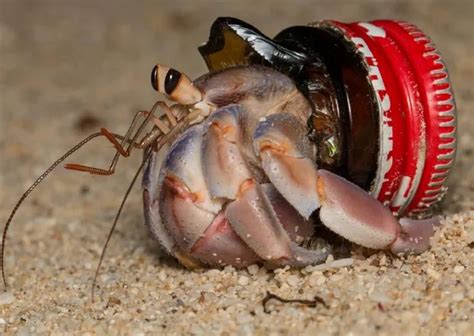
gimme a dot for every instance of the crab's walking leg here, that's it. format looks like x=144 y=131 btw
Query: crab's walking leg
x=249 y=211
x=161 y=127
x=287 y=159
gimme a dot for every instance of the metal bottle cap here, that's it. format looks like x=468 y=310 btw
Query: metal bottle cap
x=417 y=112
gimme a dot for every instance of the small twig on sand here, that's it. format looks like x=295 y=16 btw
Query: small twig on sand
x=309 y=303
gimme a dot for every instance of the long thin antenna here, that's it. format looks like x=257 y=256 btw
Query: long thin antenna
x=31 y=188
x=117 y=216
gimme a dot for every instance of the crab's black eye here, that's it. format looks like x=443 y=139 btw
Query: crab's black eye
x=171 y=80
x=154 y=77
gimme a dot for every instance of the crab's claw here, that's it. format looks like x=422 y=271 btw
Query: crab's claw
x=345 y=208
x=354 y=214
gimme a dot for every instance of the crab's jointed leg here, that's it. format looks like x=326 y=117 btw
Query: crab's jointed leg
x=191 y=220
x=250 y=211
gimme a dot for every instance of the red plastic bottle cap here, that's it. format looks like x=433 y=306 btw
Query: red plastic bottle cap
x=416 y=109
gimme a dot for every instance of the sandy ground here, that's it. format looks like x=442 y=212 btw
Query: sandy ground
x=61 y=63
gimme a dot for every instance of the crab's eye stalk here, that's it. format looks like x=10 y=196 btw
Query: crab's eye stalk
x=174 y=84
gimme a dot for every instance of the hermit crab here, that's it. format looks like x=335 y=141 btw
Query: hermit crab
x=240 y=184
x=230 y=173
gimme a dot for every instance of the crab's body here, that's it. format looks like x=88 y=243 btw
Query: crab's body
x=238 y=186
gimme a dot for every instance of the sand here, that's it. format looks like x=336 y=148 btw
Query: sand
x=68 y=69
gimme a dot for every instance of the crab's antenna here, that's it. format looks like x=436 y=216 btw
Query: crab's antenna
x=32 y=187
x=146 y=157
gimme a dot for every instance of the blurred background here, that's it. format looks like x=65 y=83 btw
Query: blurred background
x=68 y=68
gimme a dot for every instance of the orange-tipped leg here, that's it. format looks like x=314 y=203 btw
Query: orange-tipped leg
x=114 y=141
x=88 y=169
x=162 y=127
